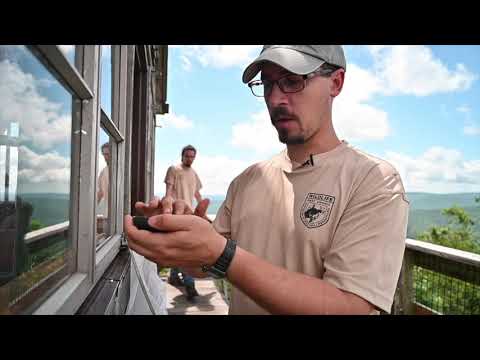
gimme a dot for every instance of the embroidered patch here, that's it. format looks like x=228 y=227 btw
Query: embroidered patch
x=316 y=209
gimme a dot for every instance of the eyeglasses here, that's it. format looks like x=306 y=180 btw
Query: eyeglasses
x=291 y=83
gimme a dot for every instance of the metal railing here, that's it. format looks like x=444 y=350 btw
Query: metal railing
x=437 y=280
x=37 y=235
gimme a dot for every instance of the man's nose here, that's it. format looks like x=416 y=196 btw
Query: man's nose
x=276 y=97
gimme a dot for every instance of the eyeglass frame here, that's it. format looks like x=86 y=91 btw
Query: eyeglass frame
x=325 y=70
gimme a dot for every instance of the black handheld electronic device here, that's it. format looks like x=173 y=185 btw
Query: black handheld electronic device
x=141 y=222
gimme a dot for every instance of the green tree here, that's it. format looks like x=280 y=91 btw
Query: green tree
x=35 y=225
x=436 y=290
x=458 y=234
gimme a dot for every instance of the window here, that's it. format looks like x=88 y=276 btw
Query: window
x=104 y=194
x=59 y=228
x=36 y=251
x=107 y=156
x=106 y=80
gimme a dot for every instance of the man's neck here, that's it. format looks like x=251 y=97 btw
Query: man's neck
x=316 y=145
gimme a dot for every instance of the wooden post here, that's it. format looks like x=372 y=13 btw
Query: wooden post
x=404 y=297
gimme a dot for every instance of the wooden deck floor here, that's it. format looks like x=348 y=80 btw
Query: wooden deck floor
x=210 y=301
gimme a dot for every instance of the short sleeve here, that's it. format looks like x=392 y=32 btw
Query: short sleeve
x=170 y=176
x=222 y=222
x=367 y=248
x=199 y=183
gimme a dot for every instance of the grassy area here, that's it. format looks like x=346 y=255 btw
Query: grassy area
x=163 y=271
x=224 y=287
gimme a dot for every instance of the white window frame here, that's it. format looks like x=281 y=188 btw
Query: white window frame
x=84 y=83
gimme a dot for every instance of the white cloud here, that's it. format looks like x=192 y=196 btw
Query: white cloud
x=175 y=121
x=37 y=168
x=353 y=119
x=471 y=130
x=438 y=170
x=220 y=56
x=356 y=121
x=216 y=172
x=464 y=109
x=40 y=120
x=414 y=70
x=186 y=63
x=257 y=134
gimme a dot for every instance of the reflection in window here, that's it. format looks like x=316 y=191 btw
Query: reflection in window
x=35 y=123
x=106 y=80
x=104 y=187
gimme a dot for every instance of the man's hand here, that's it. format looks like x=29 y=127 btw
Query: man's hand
x=167 y=205
x=187 y=241
x=158 y=206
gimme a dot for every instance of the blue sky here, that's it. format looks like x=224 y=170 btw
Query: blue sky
x=415 y=106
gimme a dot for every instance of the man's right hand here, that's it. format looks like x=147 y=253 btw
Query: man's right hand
x=167 y=205
x=154 y=207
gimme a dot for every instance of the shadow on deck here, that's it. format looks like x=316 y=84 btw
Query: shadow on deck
x=209 y=301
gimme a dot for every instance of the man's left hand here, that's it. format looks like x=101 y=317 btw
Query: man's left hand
x=188 y=241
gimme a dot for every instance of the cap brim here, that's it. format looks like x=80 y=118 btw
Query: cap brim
x=291 y=60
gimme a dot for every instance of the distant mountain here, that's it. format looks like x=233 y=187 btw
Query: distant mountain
x=426 y=210
x=421 y=220
x=427 y=201
x=48 y=208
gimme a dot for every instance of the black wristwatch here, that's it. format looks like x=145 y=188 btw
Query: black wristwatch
x=219 y=269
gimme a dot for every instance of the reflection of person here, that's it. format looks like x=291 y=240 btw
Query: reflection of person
x=318 y=229
x=182 y=182
x=103 y=180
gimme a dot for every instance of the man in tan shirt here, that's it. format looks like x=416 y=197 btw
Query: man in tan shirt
x=103 y=180
x=319 y=228
x=183 y=183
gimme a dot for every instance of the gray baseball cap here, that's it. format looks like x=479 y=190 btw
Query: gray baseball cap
x=298 y=59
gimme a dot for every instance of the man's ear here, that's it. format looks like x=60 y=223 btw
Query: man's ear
x=338 y=78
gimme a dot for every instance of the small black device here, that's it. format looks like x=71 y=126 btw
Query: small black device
x=141 y=222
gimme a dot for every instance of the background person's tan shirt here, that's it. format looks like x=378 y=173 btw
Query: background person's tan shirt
x=103 y=185
x=343 y=220
x=185 y=182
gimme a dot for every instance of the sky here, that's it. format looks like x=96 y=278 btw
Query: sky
x=414 y=106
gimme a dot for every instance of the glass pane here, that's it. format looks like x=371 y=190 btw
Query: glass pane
x=35 y=129
x=69 y=52
x=104 y=185
x=106 y=83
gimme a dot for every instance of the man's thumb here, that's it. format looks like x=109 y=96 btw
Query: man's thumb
x=201 y=209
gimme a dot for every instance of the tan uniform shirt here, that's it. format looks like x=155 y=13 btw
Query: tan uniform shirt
x=103 y=186
x=185 y=182
x=342 y=219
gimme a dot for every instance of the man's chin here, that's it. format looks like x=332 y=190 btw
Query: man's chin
x=290 y=140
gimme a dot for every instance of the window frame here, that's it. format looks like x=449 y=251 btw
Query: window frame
x=132 y=100
x=91 y=262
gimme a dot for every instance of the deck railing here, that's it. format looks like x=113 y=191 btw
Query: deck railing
x=437 y=280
